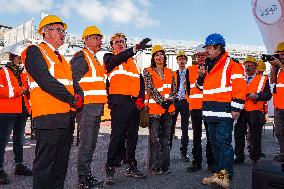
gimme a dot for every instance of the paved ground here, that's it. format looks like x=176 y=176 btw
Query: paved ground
x=179 y=178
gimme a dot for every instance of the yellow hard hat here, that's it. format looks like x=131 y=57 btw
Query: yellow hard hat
x=157 y=48
x=50 y=19
x=181 y=53
x=91 y=30
x=250 y=59
x=261 y=65
x=280 y=47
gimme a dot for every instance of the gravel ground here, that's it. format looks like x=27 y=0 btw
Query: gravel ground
x=179 y=178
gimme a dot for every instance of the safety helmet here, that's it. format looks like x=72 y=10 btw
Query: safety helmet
x=181 y=53
x=50 y=19
x=261 y=65
x=157 y=48
x=215 y=39
x=250 y=59
x=199 y=49
x=280 y=47
x=119 y=34
x=91 y=30
x=15 y=49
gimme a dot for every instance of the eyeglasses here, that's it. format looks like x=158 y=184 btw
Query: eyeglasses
x=59 y=30
x=119 y=41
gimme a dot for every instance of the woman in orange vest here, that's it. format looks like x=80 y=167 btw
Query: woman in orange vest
x=14 y=110
x=161 y=90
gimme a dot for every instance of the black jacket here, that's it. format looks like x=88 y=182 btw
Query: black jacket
x=38 y=70
x=110 y=62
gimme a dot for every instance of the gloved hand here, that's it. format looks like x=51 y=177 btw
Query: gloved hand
x=78 y=101
x=139 y=104
x=143 y=44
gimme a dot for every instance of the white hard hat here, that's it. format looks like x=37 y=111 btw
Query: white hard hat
x=15 y=49
x=199 y=48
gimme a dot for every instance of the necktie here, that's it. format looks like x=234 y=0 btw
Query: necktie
x=249 y=78
x=58 y=55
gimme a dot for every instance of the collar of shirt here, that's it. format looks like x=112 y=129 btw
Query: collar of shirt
x=50 y=46
x=182 y=71
x=250 y=78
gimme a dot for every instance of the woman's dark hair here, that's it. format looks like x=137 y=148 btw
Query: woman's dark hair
x=153 y=63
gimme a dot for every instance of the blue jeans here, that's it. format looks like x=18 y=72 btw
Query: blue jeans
x=17 y=124
x=220 y=135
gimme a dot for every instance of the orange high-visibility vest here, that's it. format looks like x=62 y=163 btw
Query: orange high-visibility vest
x=125 y=79
x=196 y=95
x=278 y=96
x=164 y=87
x=224 y=83
x=93 y=83
x=43 y=103
x=255 y=86
x=11 y=93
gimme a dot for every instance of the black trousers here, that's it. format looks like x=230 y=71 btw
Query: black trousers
x=249 y=124
x=182 y=108
x=279 y=130
x=124 y=132
x=51 y=157
x=196 y=119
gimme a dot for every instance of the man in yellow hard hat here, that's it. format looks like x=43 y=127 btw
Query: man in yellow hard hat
x=250 y=121
x=261 y=67
x=53 y=97
x=126 y=97
x=90 y=75
x=181 y=104
x=277 y=78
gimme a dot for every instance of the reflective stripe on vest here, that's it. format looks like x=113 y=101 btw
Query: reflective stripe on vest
x=65 y=82
x=94 y=76
x=10 y=87
x=96 y=79
x=125 y=79
x=164 y=87
x=121 y=71
x=217 y=114
x=255 y=86
x=278 y=96
x=223 y=87
x=261 y=83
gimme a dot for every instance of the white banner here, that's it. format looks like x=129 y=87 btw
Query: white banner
x=269 y=18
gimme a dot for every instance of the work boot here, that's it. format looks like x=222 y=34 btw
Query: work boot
x=132 y=171
x=166 y=170
x=89 y=182
x=156 y=171
x=194 y=168
x=22 y=170
x=208 y=180
x=184 y=158
x=222 y=179
x=109 y=175
x=3 y=178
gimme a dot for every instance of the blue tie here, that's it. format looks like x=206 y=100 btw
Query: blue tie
x=249 y=78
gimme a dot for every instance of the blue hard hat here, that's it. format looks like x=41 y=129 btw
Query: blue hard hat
x=215 y=39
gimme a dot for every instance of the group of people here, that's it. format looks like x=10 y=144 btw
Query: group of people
x=56 y=92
